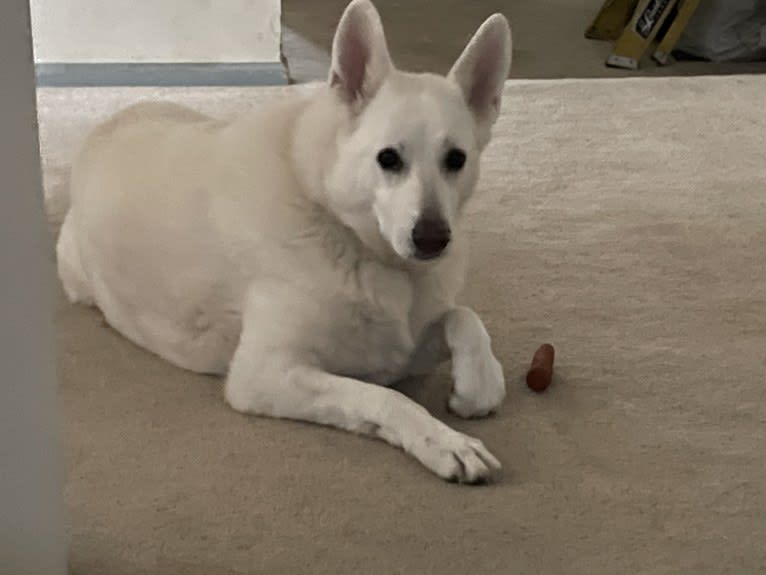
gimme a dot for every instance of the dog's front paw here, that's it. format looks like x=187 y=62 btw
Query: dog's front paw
x=457 y=457
x=479 y=386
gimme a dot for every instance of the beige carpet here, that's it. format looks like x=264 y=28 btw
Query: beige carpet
x=624 y=221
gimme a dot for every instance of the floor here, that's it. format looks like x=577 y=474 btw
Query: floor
x=427 y=35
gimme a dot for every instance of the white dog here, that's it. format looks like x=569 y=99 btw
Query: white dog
x=311 y=249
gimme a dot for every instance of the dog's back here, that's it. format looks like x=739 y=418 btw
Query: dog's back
x=167 y=205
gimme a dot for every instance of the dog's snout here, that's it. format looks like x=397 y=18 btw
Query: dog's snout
x=430 y=236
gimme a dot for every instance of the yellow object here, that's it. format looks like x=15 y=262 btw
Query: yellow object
x=685 y=11
x=639 y=33
x=611 y=19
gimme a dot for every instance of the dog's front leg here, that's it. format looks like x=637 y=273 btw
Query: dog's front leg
x=479 y=385
x=289 y=389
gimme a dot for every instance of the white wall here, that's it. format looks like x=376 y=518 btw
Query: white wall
x=140 y=31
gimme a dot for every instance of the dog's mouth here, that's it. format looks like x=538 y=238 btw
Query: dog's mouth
x=428 y=255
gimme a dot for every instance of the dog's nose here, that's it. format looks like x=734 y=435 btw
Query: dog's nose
x=430 y=236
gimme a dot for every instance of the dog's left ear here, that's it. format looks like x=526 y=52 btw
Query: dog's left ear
x=360 y=59
x=482 y=68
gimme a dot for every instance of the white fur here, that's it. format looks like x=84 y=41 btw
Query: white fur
x=275 y=248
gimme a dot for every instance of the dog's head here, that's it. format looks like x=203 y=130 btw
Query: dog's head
x=408 y=156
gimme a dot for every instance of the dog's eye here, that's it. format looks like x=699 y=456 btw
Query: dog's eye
x=454 y=160
x=390 y=160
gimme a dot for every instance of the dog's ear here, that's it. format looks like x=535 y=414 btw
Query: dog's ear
x=482 y=68
x=360 y=59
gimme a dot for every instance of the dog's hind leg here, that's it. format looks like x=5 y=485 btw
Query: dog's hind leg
x=76 y=285
x=298 y=391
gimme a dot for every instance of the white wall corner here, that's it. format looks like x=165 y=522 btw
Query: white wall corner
x=152 y=31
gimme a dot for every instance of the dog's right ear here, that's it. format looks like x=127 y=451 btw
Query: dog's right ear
x=360 y=59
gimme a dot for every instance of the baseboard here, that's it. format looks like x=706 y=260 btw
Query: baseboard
x=66 y=74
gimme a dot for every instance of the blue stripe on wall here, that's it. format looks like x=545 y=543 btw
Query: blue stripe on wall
x=161 y=74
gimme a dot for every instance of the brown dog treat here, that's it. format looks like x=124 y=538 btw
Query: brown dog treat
x=541 y=371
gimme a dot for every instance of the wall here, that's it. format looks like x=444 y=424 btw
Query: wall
x=31 y=523
x=143 y=31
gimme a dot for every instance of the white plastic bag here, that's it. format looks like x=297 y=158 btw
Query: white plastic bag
x=722 y=30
